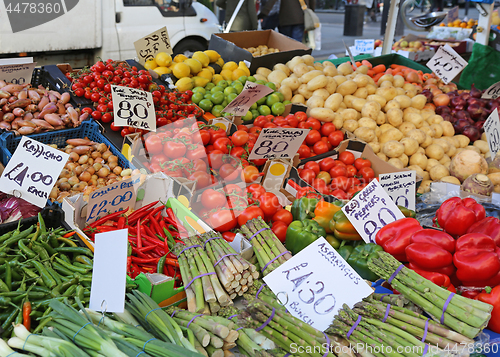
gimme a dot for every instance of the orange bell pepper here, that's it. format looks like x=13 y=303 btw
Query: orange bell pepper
x=323 y=214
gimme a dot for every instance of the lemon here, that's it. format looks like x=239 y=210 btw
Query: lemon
x=212 y=55
x=162 y=70
x=231 y=65
x=220 y=62
x=163 y=59
x=180 y=58
x=181 y=70
x=244 y=68
x=211 y=69
x=200 y=81
x=151 y=64
x=202 y=57
x=217 y=78
x=194 y=65
x=205 y=73
x=184 y=84
x=227 y=74
x=237 y=73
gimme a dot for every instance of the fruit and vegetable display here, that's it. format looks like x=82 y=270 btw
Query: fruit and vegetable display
x=261 y=50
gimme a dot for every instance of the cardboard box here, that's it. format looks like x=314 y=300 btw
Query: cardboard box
x=230 y=47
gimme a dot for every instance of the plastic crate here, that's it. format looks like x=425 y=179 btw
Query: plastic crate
x=394 y=58
x=52 y=216
x=341 y=60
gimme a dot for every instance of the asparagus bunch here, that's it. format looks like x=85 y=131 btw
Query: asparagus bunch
x=204 y=293
x=465 y=316
x=235 y=273
x=398 y=300
x=268 y=249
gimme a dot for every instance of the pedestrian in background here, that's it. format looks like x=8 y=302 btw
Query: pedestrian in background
x=271 y=21
x=246 y=19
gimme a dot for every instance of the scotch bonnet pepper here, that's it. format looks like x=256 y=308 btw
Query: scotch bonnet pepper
x=302 y=233
x=489 y=226
x=456 y=215
x=395 y=237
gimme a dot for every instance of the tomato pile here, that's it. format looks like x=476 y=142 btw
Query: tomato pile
x=322 y=138
x=341 y=178
x=94 y=83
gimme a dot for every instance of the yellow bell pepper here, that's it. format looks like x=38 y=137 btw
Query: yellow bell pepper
x=323 y=214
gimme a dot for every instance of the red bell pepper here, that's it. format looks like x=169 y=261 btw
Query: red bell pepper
x=447 y=270
x=439 y=279
x=456 y=215
x=431 y=250
x=477 y=261
x=489 y=226
x=436 y=237
x=395 y=237
x=492 y=297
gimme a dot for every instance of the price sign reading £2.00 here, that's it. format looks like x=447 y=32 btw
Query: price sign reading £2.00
x=370 y=210
x=156 y=42
x=32 y=171
x=446 y=63
x=133 y=107
x=251 y=93
x=492 y=130
x=308 y=284
x=278 y=143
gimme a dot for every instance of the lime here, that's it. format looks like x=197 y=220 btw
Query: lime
x=282 y=97
x=253 y=106
x=248 y=116
x=263 y=110
x=271 y=85
x=230 y=97
x=286 y=102
x=243 y=79
x=278 y=108
x=224 y=103
x=209 y=86
x=217 y=110
x=229 y=82
x=260 y=81
x=229 y=90
x=217 y=97
x=271 y=99
x=206 y=105
x=261 y=101
x=236 y=82
x=222 y=84
x=255 y=113
x=207 y=96
x=217 y=88
x=238 y=87
x=251 y=78
x=197 y=97
x=199 y=89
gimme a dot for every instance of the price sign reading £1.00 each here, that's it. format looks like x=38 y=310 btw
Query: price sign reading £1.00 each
x=133 y=107
x=251 y=93
x=308 y=284
x=446 y=63
x=492 y=130
x=370 y=210
x=32 y=171
x=278 y=143
x=156 y=42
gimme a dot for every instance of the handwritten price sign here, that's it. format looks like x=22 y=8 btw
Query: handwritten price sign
x=492 y=92
x=32 y=171
x=446 y=63
x=133 y=107
x=19 y=73
x=307 y=285
x=401 y=187
x=278 y=143
x=370 y=210
x=364 y=46
x=251 y=93
x=492 y=129
x=149 y=46
x=112 y=198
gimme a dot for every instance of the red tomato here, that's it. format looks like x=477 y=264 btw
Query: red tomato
x=159 y=159
x=360 y=162
x=326 y=164
x=238 y=152
x=215 y=159
x=269 y=204
x=301 y=116
x=228 y=236
x=270 y=125
x=249 y=213
x=279 y=229
x=196 y=152
x=367 y=173
x=292 y=120
x=255 y=130
x=327 y=142
x=352 y=191
x=327 y=129
x=205 y=136
x=199 y=165
x=281 y=122
x=312 y=165
x=307 y=175
x=260 y=121
x=174 y=150
x=283 y=215
x=240 y=138
x=314 y=123
x=312 y=137
x=229 y=173
x=223 y=144
x=351 y=171
x=335 y=138
x=233 y=188
x=338 y=171
x=256 y=190
x=304 y=151
x=250 y=174
x=213 y=199
x=222 y=220
x=320 y=185
x=215 y=134
x=347 y=157
x=259 y=162
x=341 y=182
x=320 y=147
x=202 y=179
x=340 y=194
x=242 y=127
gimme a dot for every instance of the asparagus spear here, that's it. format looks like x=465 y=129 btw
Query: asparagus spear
x=191 y=271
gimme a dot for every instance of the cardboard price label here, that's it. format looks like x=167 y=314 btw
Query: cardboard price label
x=492 y=92
x=364 y=46
x=370 y=210
x=251 y=93
x=156 y=42
x=446 y=63
x=32 y=171
x=307 y=285
x=492 y=130
x=278 y=143
x=133 y=107
x=401 y=187
x=17 y=70
x=112 y=198
x=452 y=15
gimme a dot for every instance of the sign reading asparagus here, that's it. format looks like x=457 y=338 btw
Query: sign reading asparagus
x=133 y=107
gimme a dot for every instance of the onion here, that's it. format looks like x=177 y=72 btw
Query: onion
x=102 y=148
x=457 y=101
x=466 y=163
x=106 y=154
x=474 y=92
x=85 y=176
x=65 y=186
x=117 y=170
x=96 y=154
x=73 y=156
x=97 y=166
x=443 y=109
x=112 y=158
x=91 y=170
x=73 y=180
x=103 y=172
x=449 y=117
x=65 y=174
x=126 y=172
x=472 y=133
x=70 y=166
x=83 y=159
x=479 y=124
x=478 y=184
x=460 y=124
x=78 y=170
x=462 y=114
x=475 y=110
x=465 y=95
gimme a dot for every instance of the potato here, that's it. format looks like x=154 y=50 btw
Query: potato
x=419 y=101
x=298 y=98
x=339 y=79
x=435 y=119
x=396 y=163
x=277 y=76
x=398 y=81
x=304 y=91
x=428 y=113
x=260 y=77
x=403 y=100
x=483 y=136
x=382 y=156
x=389 y=93
x=378 y=132
x=365 y=134
x=348 y=99
x=286 y=91
x=463 y=140
x=417 y=169
x=308 y=59
x=420 y=150
x=348 y=87
x=362 y=80
x=322 y=92
x=427 y=141
x=428 y=130
x=385 y=84
x=404 y=159
x=307 y=77
x=331 y=85
x=431 y=163
x=363 y=69
x=395 y=117
x=450 y=179
x=349 y=114
x=386 y=77
x=424 y=187
x=315 y=102
x=371 y=88
x=411 y=146
x=358 y=104
x=338 y=121
x=361 y=92
x=385 y=127
x=411 y=92
x=351 y=125
x=282 y=67
x=295 y=61
x=371 y=110
x=318 y=65
x=452 y=151
x=330 y=70
x=416 y=134
x=300 y=69
x=438 y=130
x=445 y=159
x=438 y=172
x=482 y=145
x=375 y=146
x=448 y=129
x=328 y=63
x=406 y=127
x=322 y=114
x=292 y=82
x=392 y=148
x=377 y=98
x=414 y=118
x=391 y=134
x=368 y=123
x=343 y=106
x=263 y=71
x=317 y=82
x=345 y=68
x=381 y=118
x=391 y=104
x=333 y=101
x=419 y=159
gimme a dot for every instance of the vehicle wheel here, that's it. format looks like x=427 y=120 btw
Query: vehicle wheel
x=188 y=47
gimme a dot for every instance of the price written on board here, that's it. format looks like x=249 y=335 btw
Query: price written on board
x=250 y=94
x=370 y=210
x=154 y=43
x=307 y=285
x=401 y=187
x=20 y=73
x=364 y=46
x=492 y=92
x=133 y=107
x=112 y=198
x=32 y=171
x=492 y=130
x=278 y=143
x=446 y=63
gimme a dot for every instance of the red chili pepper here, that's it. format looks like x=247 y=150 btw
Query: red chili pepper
x=170 y=270
x=106 y=218
x=170 y=213
x=156 y=226
x=139 y=239
x=157 y=210
x=172 y=262
x=121 y=223
x=141 y=212
x=456 y=215
x=68 y=235
x=144 y=261
x=156 y=241
x=129 y=262
x=26 y=315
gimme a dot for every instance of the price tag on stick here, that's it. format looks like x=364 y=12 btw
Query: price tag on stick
x=492 y=92
x=133 y=107
x=251 y=93
x=308 y=284
x=370 y=210
x=401 y=187
x=492 y=130
x=278 y=143
x=156 y=42
x=32 y=171
x=446 y=63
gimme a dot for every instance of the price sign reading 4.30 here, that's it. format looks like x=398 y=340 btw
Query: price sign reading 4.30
x=446 y=63
x=133 y=107
x=112 y=198
x=278 y=143
x=308 y=284
x=156 y=42
x=492 y=130
x=370 y=210
x=32 y=171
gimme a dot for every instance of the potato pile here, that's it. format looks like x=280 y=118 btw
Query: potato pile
x=389 y=115
x=261 y=50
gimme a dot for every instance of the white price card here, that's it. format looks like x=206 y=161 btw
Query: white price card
x=364 y=46
x=370 y=210
x=109 y=274
x=112 y=198
x=133 y=107
x=18 y=72
x=492 y=130
x=251 y=93
x=32 y=171
x=401 y=187
x=492 y=92
x=278 y=143
x=446 y=63
x=308 y=284
x=154 y=43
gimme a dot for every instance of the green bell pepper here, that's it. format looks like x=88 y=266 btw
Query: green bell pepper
x=302 y=233
x=358 y=257
x=303 y=208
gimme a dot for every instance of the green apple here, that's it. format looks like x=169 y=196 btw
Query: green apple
x=261 y=101
x=239 y=87
x=243 y=79
x=282 y=97
x=253 y=106
x=260 y=81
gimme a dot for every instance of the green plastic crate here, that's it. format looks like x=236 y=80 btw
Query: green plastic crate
x=341 y=60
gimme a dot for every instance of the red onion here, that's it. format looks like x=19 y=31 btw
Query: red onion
x=460 y=124
x=492 y=104
x=459 y=107
x=458 y=101
x=479 y=124
x=474 y=92
x=473 y=100
x=452 y=93
x=443 y=109
x=449 y=117
x=428 y=95
x=462 y=114
x=465 y=95
x=472 y=133
x=475 y=110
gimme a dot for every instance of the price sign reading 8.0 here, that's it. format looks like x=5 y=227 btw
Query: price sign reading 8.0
x=133 y=107
x=446 y=63
x=492 y=130
x=278 y=143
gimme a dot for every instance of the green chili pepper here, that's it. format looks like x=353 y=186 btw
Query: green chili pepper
x=75 y=250
x=41 y=222
x=65 y=258
x=84 y=260
x=3 y=286
x=37 y=234
x=48 y=280
x=161 y=264
x=42 y=253
x=70 y=291
x=53 y=273
x=67 y=241
x=42 y=324
x=71 y=266
x=48 y=248
x=25 y=249
x=11 y=318
x=17 y=237
x=6 y=236
x=79 y=292
x=61 y=269
x=5 y=301
x=8 y=276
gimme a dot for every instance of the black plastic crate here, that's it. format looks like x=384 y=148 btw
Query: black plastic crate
x=53 y=217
